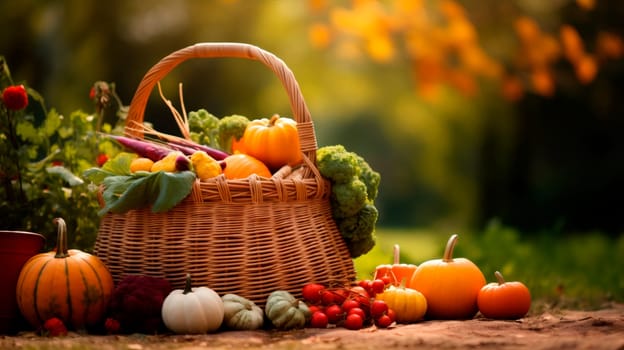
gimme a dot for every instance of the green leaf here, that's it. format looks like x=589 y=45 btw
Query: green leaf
x=172 y=189
x=51 y=123
x=67 y=175
x=120 y=164
x=163 y=190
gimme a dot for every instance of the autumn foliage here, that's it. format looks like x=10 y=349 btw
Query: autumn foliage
x=442 y=45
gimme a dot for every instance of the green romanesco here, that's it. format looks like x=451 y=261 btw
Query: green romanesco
x=337 y=164
x=349 y=198
x=206 y=129
x=355 y=186
x=231 y=128
x=203 y=127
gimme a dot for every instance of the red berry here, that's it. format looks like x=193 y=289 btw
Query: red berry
x=319 y=320
x=15 y=97
x=55 y=327
x=311 y=292
x=357 y=311
x=383 y=321
x=391 y=314
x=327 y=297
x=378 y=286
x=112 y=325
x=334 y=313
x=350 y=304
x=315 y=308
x=101 y=159
x=353 y=322
x=378 y=308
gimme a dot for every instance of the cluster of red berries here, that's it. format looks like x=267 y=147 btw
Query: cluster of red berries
x=351 y=307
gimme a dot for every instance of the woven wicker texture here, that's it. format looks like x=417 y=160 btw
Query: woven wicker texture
x=249 y=236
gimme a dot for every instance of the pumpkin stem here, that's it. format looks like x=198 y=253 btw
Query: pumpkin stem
x=61 y=239
x=396 y=254
x=273 y=119
x=187 y=285
x=448 y=251
x=499 y=277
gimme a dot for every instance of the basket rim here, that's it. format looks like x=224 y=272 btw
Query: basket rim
x=299 y=108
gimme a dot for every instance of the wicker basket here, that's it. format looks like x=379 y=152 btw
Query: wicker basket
x=248 y=237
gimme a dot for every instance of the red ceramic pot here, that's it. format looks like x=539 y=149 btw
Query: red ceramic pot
x=16 y=247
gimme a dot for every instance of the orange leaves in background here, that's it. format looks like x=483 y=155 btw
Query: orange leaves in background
x=443 y=47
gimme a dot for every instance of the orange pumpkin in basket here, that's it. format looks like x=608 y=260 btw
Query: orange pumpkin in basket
x=274 y=141
x=240 y=166
x=71 y=285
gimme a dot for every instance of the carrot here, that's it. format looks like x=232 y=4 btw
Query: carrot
x=143 y=148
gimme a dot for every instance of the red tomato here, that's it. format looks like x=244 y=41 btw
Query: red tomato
x=334 y=313
x=378 y=308
x=327 y=297
x=319 y=320
x=354 y=322
x=357 y=311
x=311 y=292
x=383 y=321
x=378 y=286
x=350 y=304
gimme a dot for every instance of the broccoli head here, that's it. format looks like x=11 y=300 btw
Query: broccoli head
x=360 y=225
x=231 y=128
x=203 y=127
x=370 y=177
x=337 y=164
x=359 y=247
x=348 y=198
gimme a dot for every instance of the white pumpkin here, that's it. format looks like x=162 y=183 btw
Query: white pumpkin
x=241 y=313
x=192 y=310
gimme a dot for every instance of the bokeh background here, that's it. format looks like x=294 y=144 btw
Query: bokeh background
x=470 y=110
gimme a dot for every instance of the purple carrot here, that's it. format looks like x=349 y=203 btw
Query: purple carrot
x=143 y=148
x=213 y=152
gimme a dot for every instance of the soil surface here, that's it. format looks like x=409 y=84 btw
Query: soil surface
x=554 y=329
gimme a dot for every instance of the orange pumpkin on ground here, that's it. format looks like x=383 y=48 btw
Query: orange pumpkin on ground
x=504 y=300
x=450 y=285
x=274 y=141
x=396 y=273
x=71 y=285
x=240 y=166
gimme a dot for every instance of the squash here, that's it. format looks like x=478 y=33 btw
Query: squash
x=396 y=273
x=205 y=166
x=504 y=300
x=450 y=285
x=240 y=166
x=241 y=313
x=409 y=305
x=285 y=311
x=274 y=141
x=192 y=310
x=71 y=285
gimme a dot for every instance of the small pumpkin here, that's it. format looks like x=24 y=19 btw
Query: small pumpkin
x=192 y=310
x=68 y=284
x=408 y=304
x=241 y=313
x=205 y=166
x=504 y=300
x=450 y=285
x=274 y=141
x=285 y=311
x=241 y=166
x=395 y=273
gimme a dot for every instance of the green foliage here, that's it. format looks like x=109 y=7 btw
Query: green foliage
x=42 y=154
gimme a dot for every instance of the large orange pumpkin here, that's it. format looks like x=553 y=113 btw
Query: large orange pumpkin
x=71 y=285
x=450 y=285
x=240 y=166
x=274 y=141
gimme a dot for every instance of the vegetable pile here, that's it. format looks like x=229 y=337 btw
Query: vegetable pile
x=159 y=171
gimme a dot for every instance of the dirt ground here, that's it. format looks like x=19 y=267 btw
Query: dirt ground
x=554 y=329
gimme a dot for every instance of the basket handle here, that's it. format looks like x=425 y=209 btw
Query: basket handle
x=300 y=111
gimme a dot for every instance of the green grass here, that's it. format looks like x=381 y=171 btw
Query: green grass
x=582 y=271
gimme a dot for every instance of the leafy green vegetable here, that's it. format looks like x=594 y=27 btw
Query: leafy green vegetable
x=162 y=190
